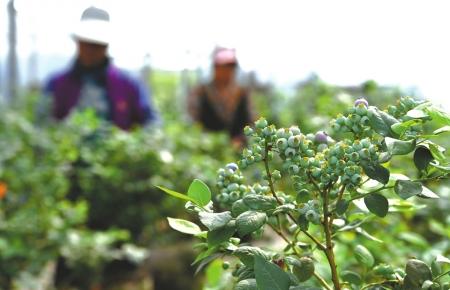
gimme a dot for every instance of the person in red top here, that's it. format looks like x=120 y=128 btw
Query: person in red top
x=222 y=104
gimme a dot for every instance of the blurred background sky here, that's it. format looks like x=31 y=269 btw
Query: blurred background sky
x=402 y=42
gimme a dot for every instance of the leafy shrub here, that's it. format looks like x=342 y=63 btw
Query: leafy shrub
x=320 y=191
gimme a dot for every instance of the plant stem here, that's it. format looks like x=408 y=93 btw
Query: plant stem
x=272 y=190
x=322 y=281
x=329 y=242
x=441 y=275
x=378 y=283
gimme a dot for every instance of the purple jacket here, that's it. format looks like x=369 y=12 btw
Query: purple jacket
x=129 y=101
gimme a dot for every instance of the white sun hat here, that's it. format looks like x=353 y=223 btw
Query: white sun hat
x=94 y=26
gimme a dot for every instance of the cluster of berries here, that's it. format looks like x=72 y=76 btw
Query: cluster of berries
x=356 y=121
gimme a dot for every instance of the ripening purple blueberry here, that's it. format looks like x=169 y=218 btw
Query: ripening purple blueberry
x=321 y=137
x=232 y=166
x=361 y=101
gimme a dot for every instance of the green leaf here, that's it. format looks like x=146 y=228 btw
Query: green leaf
x=351 y=277
x=247 y=255
x=184 y=226
x=377 y=123
x=437 y=152
x=269 y=276
x=342 y=206
x=446 y=169
x=250 y=221
x=438 y=115
x=407 y=188
x=377 y=204
x=239 y=207
x=176 y=194
x=422 y=158
x=363 y=256
x=260 y=202
x=399 y=147
x=214 y=273
x=417 y=114
x=400 y=128
x=215 y=220
x=220 y=235
x=442 y=130
x=303 y=268
x=427 y=193
x=199 y=192
x=364 y=233
x=376 y=172
x=418 y=272
x=247 y=284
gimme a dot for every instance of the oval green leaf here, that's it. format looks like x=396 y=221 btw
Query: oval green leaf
x=199 y=192
x=364 y=257
x=269 y=276
x=407 y=188
x=377 y=204
x=250 y=221
x=184 y=226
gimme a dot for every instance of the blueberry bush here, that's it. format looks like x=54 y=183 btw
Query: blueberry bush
x=323 y=195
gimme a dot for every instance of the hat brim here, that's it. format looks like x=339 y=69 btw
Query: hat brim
x=93 y=31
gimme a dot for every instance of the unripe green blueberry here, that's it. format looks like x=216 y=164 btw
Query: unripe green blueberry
x=294 y=141
x=356 y=179
x=268 y=131
x=325 y=178
x=243 y=163
x=258 y=157
x=280 y=133
x=345 y=179
x=356 y=145
x=223 y=197
x=276 y=174
x=341 y=120
x=309 y=153
x=250 y=160
x=365 y=121
x=335 y=127
x=312 y=216
x=310 y=137
x=316 y=172
x=294 y=169
x=282 y=143
x=341 y=164
x=248 y=130
x=361 y=110
x=290 y=152
x=304 y=162
x=392 y=110
x=333 y=160
x=234 y=195
x=356 y=129
x=219 y=184
x=365 y=143
x=242 y=188
x=313 y=162
x=322 y=147
x=354 y=156
x=225 y=265
x=364 y=153
x=233 y=187
x=261 y=123
x=372 y=149
x=256 y=148
x=295 y=130
x=348 y=122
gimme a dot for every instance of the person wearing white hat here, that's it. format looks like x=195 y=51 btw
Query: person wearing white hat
x=92 y=81
x=222 y=104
